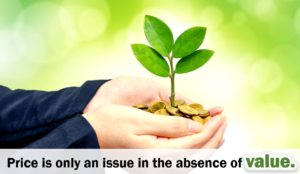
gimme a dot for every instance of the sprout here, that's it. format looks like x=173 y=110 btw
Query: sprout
x=160 y=37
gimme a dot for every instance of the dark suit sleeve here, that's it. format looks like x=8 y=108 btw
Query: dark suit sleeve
x=74 y=133
x=39 y=119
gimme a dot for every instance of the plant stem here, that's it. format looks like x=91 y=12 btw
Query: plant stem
x=172 y=77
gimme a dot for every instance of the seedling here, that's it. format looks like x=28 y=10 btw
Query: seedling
x=160 y=37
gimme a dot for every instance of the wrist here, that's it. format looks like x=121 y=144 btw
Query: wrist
x=97 y=100
x=94 y=122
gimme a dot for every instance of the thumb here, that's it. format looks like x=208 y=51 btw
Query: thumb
x=216 y=111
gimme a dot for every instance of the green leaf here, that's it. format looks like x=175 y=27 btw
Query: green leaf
x=193 y=61
x=151 y=59
x=188 y=42
x=159 y=35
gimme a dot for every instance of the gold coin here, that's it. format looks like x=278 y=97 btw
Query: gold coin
x=178 y=102
x=147 y=110
x=187 y=110
x=195 y=106
x=198 y=119
x=173 y=111
x=141 y=106
x=166 y=104
x=157 y=105
x=203 y=113
x=206 y=119
x=161 y=112
x=187 y=116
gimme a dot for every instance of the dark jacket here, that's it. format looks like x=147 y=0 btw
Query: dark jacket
x=39 y=119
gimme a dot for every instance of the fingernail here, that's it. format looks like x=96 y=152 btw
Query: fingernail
x=195 y=127
x=220 y=110
x=225 y=125
x=221 y=143
x=223 y=118
x=216 y=111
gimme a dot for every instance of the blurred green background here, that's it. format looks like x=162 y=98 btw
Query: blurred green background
x=254 y=74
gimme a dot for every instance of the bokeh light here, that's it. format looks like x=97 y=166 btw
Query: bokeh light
x=124 y=37
x=211 y=17
x=84 y=20
x=287 y=99
x=38 y=34
x=265 y=76
x=282 y=24
x=287 y=55
x=263 y=10
x=239 y=18
x=269 y=120
x=9 y=11
x=91 y=17
x=296 y=21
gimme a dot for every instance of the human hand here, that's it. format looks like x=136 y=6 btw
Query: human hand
x=127 y=91
x=130 y=91
x=119 y=126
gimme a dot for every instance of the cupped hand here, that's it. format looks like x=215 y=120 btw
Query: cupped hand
x=130 y=91
x=115 y=124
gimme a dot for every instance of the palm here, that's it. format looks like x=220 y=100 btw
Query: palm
x=130 y=91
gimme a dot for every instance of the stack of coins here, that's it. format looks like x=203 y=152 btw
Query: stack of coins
x=193 y=111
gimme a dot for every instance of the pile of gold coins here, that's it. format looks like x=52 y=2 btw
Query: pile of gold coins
x=193 y=111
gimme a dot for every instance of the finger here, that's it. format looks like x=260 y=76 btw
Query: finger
x=165 y=126
x=223 y=119
x=215 y=111
x=164 y=93
x=197 y=140
x=214 y=142
x=221 y=143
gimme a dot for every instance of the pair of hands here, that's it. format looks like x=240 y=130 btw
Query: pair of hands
x=118 y=125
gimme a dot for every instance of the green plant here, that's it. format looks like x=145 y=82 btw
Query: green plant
x=185 y=47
